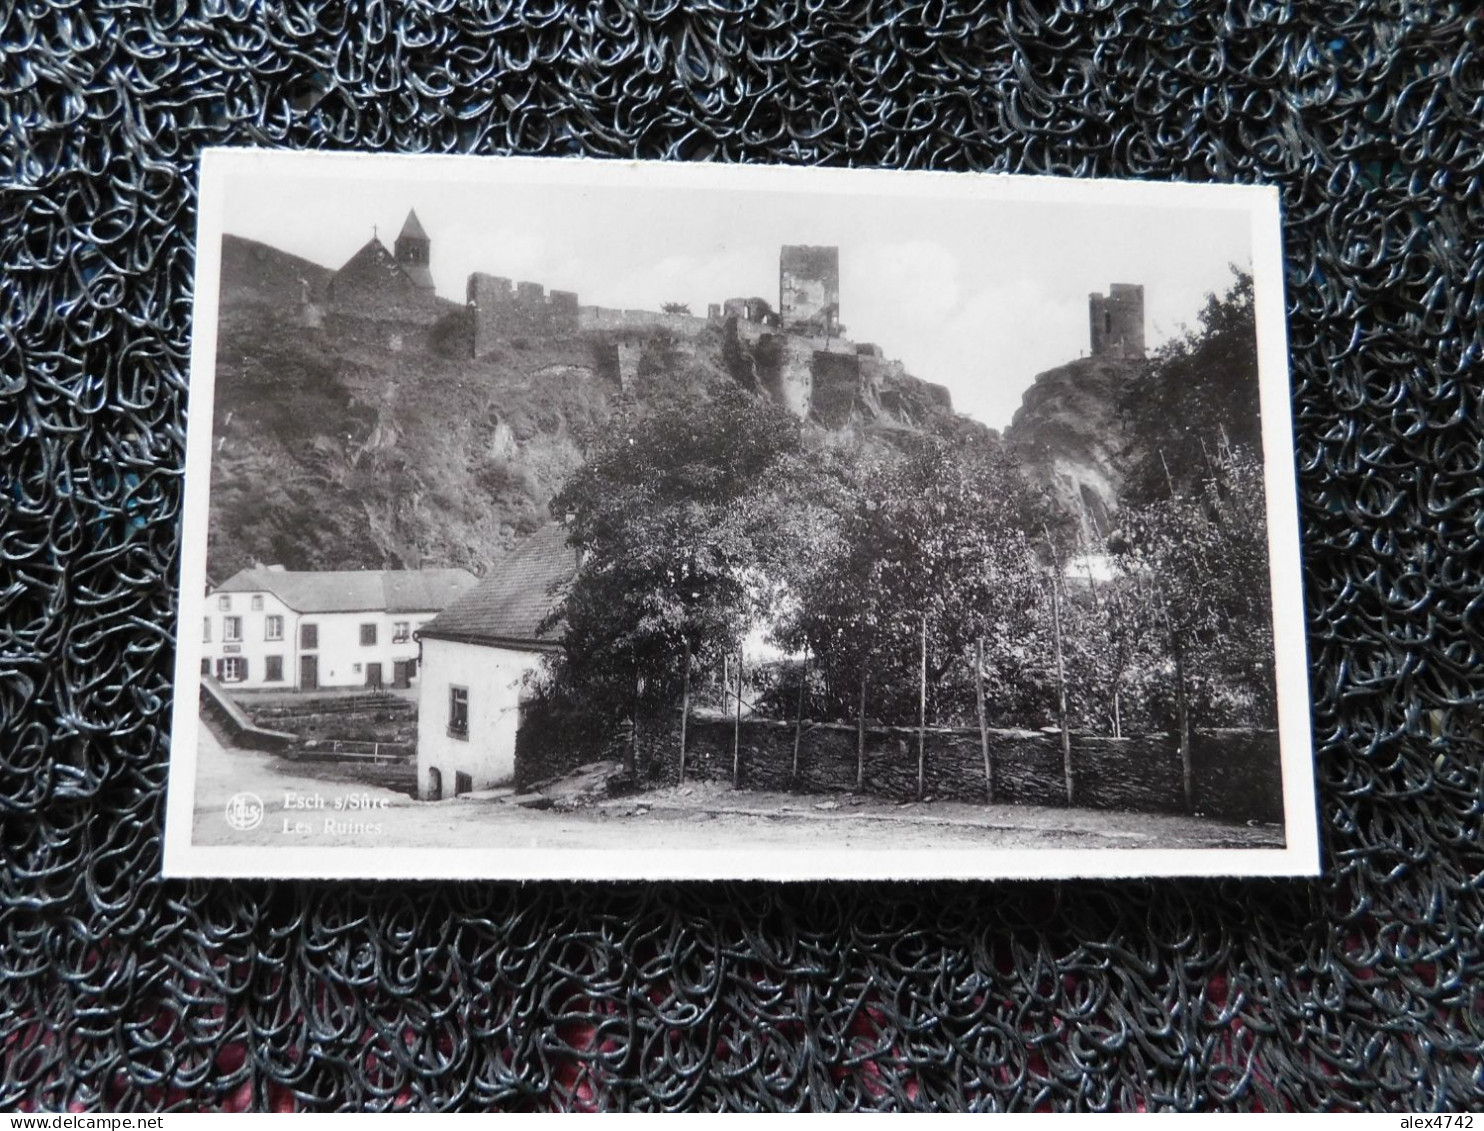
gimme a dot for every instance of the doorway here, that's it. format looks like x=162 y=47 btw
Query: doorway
x=435 y=784
x=308 y=673
x=373 y=676
x=402 y=673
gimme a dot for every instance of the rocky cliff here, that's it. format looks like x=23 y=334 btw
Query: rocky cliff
x=1073 y=439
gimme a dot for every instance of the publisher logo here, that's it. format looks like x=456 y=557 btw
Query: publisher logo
x=245 y=811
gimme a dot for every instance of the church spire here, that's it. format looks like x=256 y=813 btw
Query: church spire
x=412 y=228
x=413 y=251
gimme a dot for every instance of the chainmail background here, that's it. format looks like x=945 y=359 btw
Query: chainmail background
x=1362 y=990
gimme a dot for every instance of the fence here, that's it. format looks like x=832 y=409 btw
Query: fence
x=1236 y=773
x=349 y=750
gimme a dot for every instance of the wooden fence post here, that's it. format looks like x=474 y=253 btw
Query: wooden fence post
x=632 y=755
x=684 y=708
x=799 y=718
x=1182 y=715
x=860 y=734
x=983 y=724
x=737 y=727
x=922 y=715
x=1061 y=692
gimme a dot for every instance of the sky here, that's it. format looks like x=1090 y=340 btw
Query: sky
x=977 y=296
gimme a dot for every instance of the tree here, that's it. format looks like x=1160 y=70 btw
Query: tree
x=678 y=518
x=1199 y=395
x=929 y=554
x=675 y=307
x=1115 y=640
x=1204 y=553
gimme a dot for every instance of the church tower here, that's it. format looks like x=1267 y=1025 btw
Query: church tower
x=412 y=250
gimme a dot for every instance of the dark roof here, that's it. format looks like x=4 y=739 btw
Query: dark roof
x=355 y=590
x=508 y=605
x=413 y=227
x=372 y=251
x=373 y=254
x=421 y=277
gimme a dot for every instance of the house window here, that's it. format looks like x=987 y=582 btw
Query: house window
x=234 y=669
x=224 y=603
x=458 y=712
x=309 y=636
x=401 y=631
x=355 y=669
x=273 y=628
x=257 y=603
x=273 y=671
x=205 y=667
x=368 y=635
x=205 y=630
x=232 y=629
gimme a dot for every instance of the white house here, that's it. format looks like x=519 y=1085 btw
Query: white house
x=476 y=654
x=276 y=628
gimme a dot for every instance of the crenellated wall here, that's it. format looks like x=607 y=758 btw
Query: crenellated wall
x=609 y=318
x=503 y=312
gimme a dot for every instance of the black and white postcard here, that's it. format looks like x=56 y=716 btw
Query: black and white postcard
x=600 y=520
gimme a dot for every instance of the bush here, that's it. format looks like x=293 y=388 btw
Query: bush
x=505 y=480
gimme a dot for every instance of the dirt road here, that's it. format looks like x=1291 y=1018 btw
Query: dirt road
x=298 y=808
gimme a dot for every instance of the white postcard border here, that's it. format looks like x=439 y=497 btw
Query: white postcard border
x=1300 y=856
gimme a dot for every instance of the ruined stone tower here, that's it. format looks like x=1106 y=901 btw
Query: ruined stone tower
x=1117 y=321
x=809 y=290
x=412 y=251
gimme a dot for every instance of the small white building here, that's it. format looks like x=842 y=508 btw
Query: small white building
x=476 y=655
x=274 y=628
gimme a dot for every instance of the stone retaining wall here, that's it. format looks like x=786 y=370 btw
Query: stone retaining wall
x=232 y=724
x=1236 y=773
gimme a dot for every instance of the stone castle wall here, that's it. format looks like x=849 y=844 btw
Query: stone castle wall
x=805 y=365
x=503 y=311
x=609 y=318
x=1116 y=321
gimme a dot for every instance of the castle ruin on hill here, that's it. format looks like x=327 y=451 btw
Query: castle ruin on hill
x=796 y=351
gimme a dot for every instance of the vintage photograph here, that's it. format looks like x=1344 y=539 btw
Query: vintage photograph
x=599 y=519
